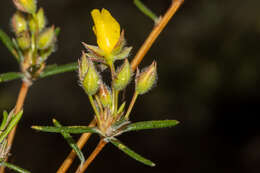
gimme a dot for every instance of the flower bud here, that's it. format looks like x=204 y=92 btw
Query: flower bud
x=24 y=40
x=146 y=80
x=32 y=24
x=123 y=76
x=41 y=19
x=18 y=23
x=83 y=66
x=46 y=38
x=27 y=6
x=105 y=95
x=89 y=77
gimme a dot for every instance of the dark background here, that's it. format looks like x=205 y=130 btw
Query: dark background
x=208 y=58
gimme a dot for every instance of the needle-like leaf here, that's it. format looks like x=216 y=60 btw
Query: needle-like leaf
x=53 y=70
x=8 y=43
x=146 y=10
x=10 y=76
x=14 y=167
x=71 y=142
x=49 y=71
x=67 y=129
x=4 y=120
x=150 y=125
x=131 y=153
x=11 y=125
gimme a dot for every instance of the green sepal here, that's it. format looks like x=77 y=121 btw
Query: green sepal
x=15 y=119
x=130 y=152
x=67 y=129
x=71 y=142
x=144 y=125
x=123 y=54
x=14 y=167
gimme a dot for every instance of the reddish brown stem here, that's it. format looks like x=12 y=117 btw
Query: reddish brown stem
x=92 y=156
x=18 y=107
x=81 y=142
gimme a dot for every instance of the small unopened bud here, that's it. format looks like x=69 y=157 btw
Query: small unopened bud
x=105 y=95
x=27 y=6
x=41 y=19
x=146 y=80
x=32 y=24
x=83 y=66
x=24 y=40
x=89 y=77
x=19 y=23
x=123 y=76
x=46 y=38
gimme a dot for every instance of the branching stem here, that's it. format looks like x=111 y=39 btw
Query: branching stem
x=145 y=47
x=155 y=33
x=81 y=142
x=92 y=156
x=19 y=105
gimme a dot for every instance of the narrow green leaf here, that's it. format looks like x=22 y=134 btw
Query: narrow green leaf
x=59 y=69
x=19 y=51
x=145 y=10
x=8 y=43
x=131 y=153
x=71 y=142
x=14 y=167
x=11 y=125
x=4 y=120
x=67 y=129
x=10 y=76
x=49 y=71
x=150 y=125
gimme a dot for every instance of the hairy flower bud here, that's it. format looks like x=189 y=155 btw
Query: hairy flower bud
x=146 y=80
x=24 y=40
x=46 y=38
x=105 y=95
x=19 y=23
x=27 y=6
x=41 y=19
x=123 y=76
x=83 y=66
x=88 y=75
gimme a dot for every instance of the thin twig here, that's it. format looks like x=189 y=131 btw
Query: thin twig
x=19 y=105
x=155 y=33
x=138 y=58
x=92 y=156
x=146 y=10
x=131 y=105
x=81 y=142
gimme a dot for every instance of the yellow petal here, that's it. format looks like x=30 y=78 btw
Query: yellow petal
x=107 y=30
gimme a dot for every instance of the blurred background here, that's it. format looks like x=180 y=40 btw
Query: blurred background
x=208 y=58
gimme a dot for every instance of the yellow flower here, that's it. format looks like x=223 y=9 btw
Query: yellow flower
x=107 y=30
